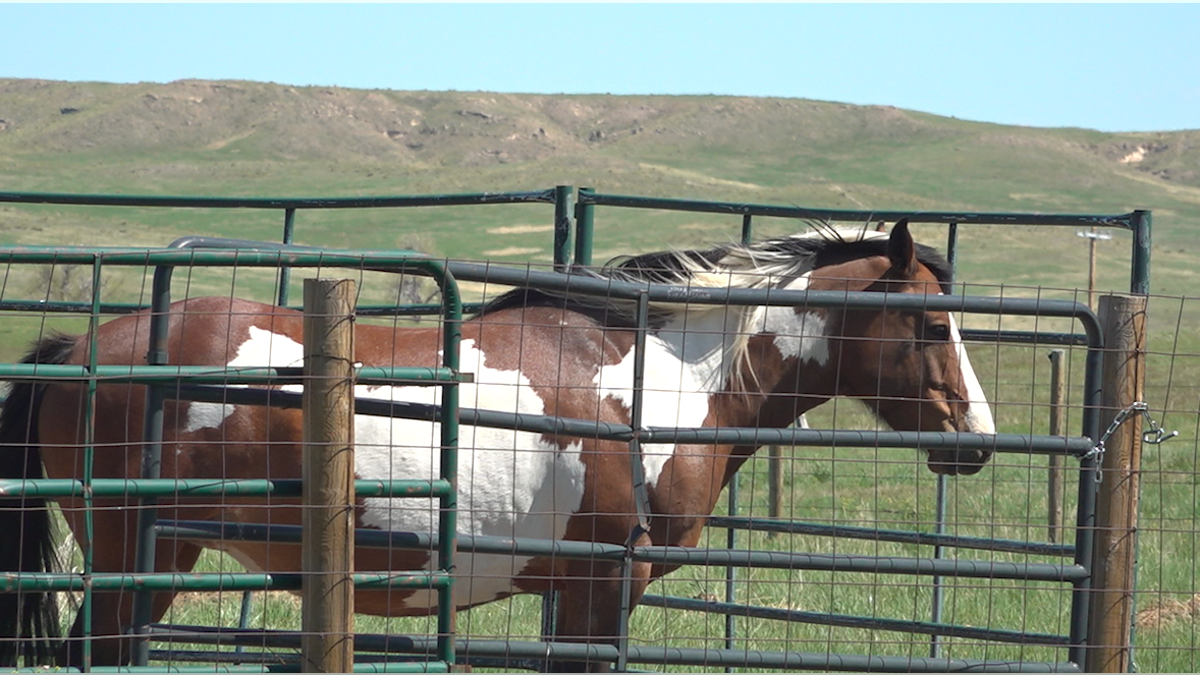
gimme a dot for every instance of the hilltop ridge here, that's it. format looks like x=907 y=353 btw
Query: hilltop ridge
x=237 y=138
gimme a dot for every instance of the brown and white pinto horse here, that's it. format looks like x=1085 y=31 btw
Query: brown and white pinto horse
x=532 y=353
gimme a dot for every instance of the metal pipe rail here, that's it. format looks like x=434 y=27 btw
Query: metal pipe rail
x=130 y=308
x=894 y=536
x=466 y=271
x=191 y=488
x=554 y=281
x=1138 y=222
x=115 y=374
x=539 y=652
x=276 y=203
x=212 y=581
x=1124 y=221
x=851 y=621
x=1077 y=446
x=671 y=555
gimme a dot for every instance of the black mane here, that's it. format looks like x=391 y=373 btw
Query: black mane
x=788 y=256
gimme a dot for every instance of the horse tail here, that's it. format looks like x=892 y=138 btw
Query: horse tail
x=30 y=617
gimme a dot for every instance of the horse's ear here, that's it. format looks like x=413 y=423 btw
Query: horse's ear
x=901 y=251
x=881 y=226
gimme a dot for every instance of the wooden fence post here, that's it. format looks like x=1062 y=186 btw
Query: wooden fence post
x=1123 y=379
x=1058 y=427
x=327 y=612
x=774 y=484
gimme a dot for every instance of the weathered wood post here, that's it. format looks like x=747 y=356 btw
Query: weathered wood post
x=327 y=612
x=775 y=489
x=774 y=484
x=1058 y=427
x=1123 y=379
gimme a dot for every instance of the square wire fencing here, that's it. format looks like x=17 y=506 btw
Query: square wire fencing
x=857 y=491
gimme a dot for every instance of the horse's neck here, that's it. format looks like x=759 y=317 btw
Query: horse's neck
x=703 y=343
x=752 y=380
x=786 y=372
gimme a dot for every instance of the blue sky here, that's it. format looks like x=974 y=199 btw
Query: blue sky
x=1107 y=67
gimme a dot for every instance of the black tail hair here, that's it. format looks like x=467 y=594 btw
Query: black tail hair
x=29 y=625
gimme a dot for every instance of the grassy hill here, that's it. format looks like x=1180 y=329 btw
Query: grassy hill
x=257 y=139
x=234 y=138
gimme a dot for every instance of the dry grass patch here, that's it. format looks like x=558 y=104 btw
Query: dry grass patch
x=512 y=250
x=1168 y=612
x=520 y=229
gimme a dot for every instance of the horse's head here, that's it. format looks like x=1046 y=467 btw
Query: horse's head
x=909 y=366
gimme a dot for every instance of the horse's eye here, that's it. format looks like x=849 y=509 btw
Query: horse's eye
x=938 y=332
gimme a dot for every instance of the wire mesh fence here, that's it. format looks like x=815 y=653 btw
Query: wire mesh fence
x=879 y=619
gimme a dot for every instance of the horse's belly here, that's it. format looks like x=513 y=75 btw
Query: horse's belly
x=511 y=484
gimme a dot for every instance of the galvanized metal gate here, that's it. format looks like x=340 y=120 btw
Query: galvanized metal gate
x=1077 y=573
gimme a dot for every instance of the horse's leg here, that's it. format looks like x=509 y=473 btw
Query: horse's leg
x=112 y=613
x=589 y=608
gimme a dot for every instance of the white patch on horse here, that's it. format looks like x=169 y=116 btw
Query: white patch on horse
x=206 y=416
x=979 y=414
x=511 y=484
x=798 y=336
x=686 y=362
x=262 y=349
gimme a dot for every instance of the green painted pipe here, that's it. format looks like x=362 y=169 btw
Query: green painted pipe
x=220 y=374
x=169 y=581
x=204 y=487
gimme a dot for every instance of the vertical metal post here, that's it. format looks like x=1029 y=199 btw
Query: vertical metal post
x=152 y=438
x=1085 y=520
x=731 y=533
x=584 y=225
x=939 y=527
x=638 y=480
x=731 y=571
x=1124 y=319
x=562 y=227
x=327 y=471
x=285 y=273
x=448 y=516
x=549 y=615
x=244 y=616
x=89 y=463
x=1058 y=427
x=1139 y=273
x=939 y=515
x=562 y=262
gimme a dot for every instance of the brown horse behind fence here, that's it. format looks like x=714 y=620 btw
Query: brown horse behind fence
x=531 y=352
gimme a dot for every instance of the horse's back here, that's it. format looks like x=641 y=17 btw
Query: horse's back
x=202 y=331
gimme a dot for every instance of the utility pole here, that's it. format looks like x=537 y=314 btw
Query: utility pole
x=1092 y=236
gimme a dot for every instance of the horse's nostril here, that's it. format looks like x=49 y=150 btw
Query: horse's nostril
x=969 y=469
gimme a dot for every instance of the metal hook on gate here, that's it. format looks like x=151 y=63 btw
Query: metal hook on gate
x=1156 y=434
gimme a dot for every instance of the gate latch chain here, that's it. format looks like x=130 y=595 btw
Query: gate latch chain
x=1155 y=435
